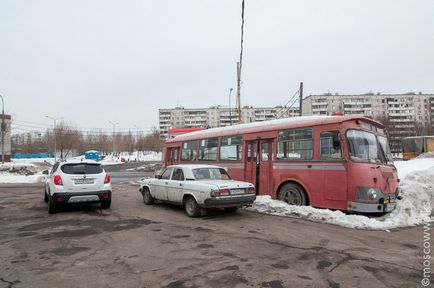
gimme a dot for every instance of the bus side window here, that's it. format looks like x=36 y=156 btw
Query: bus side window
x=330 y=145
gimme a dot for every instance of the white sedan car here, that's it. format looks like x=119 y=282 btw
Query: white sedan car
x=198 y=187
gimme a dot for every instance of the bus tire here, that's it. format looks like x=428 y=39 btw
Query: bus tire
x=293 y=194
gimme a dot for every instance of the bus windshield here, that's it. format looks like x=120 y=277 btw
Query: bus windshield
x=366 y=147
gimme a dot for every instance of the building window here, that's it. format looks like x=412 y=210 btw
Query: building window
x=231 y=149
x=295 y=144
x=208 y=150
x=188 y=152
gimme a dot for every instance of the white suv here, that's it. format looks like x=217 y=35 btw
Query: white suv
x=75 y=182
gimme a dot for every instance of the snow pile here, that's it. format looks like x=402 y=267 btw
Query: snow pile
x=22 y=172
x=34 y=160
x=152 y=167
x=417 y=191
x=426 y=155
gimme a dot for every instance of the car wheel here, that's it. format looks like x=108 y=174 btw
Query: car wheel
x=106 y=204
x=231 y=209
x=45 y=196
x=191 y=207
x=51 y=207
x=293 y=194
x=147 y=197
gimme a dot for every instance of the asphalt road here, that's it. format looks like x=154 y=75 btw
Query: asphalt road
x=133 y=245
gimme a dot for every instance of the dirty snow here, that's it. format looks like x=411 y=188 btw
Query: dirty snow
x=23 y=172
x=417 y=183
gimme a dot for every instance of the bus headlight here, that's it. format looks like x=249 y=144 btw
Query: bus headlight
x=372 y=194
x=368 y=194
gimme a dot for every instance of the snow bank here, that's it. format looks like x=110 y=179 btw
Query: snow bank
x=9 y=178
x=22 y=172
x=417 y=182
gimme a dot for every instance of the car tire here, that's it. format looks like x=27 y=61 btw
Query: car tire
x=231 y=209
x=293 y=194
x=147 y=197
x=191 y=207
x=45 y=196
x=51 y=207
x=106 y=204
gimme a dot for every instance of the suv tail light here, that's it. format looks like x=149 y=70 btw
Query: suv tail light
x=220 y=192
x=58 y=180
x=251 y=190
x=107 y=179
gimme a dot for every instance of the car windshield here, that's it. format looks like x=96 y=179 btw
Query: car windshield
x=82 y=168
x=211 y=174
x=366 y=147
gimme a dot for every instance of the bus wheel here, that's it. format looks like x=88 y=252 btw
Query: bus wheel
x=293 y=194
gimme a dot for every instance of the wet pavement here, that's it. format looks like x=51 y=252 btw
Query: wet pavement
x=133 y=245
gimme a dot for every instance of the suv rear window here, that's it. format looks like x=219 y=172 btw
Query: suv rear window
x=81 y=168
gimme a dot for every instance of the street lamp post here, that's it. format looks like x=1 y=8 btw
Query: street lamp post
x=114 y=135
x=137 y=142
x=230 y=108
x=54 y=133
x=3 y=130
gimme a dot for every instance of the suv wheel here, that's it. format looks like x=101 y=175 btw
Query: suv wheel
x=106 y=204
x=51 y=207
x=45 y=196
x=191 y=207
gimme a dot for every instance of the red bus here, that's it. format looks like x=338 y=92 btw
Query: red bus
x=335 y=162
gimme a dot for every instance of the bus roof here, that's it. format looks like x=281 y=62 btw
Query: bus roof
x=278 y=124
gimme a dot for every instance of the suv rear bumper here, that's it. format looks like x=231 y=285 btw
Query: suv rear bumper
x=232 y=201
x=81 y=197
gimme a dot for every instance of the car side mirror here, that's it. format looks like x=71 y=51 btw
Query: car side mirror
x=45 y=172
x=158 y=176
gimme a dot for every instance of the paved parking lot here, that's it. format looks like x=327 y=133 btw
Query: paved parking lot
x=132 y=245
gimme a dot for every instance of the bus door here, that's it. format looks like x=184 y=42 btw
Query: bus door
x=173 y=156
x=259 y=155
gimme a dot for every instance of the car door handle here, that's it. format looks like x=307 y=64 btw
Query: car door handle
x=166 y=182
x=180 y=184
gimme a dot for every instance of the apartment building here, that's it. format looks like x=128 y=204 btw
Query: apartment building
x=406 y=114
x=218 y=116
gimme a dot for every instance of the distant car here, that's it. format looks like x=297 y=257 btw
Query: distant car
x=76 y=182
x=198 y=187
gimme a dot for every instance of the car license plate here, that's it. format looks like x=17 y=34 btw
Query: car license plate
x=83 y=181
x=237 y=191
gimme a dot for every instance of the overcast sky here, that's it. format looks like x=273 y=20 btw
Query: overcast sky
x=97 y=61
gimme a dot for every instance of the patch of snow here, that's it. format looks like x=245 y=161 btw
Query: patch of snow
x=417 y=183
x=8 y=178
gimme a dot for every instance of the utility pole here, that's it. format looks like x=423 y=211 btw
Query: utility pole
x=301 y=99
x=137 y=142
x=230 y=108
x=239 y=92
x=114 y=135
x=3 y=129
x=240 y=66
x=54 y=133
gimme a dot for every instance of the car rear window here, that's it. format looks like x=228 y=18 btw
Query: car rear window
x=81 y=168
